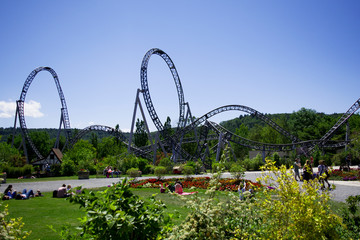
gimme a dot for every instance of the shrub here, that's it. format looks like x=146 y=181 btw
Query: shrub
x=160 y=171
x=295 y=211
x=68 y=167
x=167 y=163
x=188 y=170
x=127 y=162
x=11 y=228
x=149 y=169
x=142 y=165
x=56 y=169
x=133 y=172
x=116 y=213
x=14 y=172
x=276 y=158
x=196 y=165
x=237 y=171
x=351 y=216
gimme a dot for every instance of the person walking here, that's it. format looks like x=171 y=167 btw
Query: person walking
x=323 y=174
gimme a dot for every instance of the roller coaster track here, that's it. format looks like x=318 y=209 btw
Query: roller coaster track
x=241 y=108
x=266 y=146
x=341 y=121
x=175 y=140
x=146 y=93
x=114 y=132
x=20 y=107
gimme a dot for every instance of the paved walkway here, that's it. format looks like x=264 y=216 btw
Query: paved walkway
x=342 y=191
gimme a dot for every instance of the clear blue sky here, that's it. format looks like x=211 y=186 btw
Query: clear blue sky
x=273 y=56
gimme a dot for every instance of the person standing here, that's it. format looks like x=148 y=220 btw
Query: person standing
x=297 y=166
x=323 y=174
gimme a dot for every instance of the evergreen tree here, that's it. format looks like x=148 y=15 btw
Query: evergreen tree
x=140 y=136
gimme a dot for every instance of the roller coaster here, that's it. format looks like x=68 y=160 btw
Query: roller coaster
x=202 y=129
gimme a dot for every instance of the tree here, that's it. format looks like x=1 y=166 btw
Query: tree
x=140 y=136
x=82 y=154
x=10 y=155
x=167 y=127
x=304 y=124
x=109 y=146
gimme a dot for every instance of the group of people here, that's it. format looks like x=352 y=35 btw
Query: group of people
x=108 y=171
x=177 y=188
x=308 y=174
x=63 y=191
x=245 y=190
x=10 y=193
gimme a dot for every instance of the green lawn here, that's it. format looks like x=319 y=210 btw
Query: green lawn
x=41 y=212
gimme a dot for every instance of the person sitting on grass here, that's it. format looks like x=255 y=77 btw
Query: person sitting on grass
x=9 y=192
x=179 y=189
x=62 y=192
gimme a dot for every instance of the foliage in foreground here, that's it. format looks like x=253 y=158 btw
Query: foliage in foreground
x=279 y=208
x=116 y=213
x=11 y=228
x=284 y=211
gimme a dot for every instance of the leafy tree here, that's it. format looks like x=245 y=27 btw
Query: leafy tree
x=240 y=151
x=10 y=156
x=82 y=154
x=109 y=146
x=94 y=139
x=304 y=122
x=41 y=140
x=140 y=137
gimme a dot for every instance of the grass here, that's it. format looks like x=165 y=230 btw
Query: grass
x=41 y=212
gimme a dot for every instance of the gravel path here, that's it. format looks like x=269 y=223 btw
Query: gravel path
x=342 y=191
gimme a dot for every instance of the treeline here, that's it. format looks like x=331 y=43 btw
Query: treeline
x=305 y=124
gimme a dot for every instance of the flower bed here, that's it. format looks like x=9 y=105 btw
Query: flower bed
x=351 y=175
x=198 y=182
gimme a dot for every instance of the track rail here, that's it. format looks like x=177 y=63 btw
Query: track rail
x=112 y=131
x=20 y=107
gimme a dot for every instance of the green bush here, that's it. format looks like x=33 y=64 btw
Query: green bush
x=68 y=167
x=160 y=171
x=276 y=158
x=237 y=171
x=216 y=166
x=127 y=162
x=253 y=164
x=167 y=163
x=149 y=169
x=133 y=172
x=56 y=169
x=11 y=228
x=351 y=216
x=142 y=165
x=196 y=165
x=15 y=172
x=188 y=170
x=116 y=213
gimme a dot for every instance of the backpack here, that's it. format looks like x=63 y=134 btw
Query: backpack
x=55 y=193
